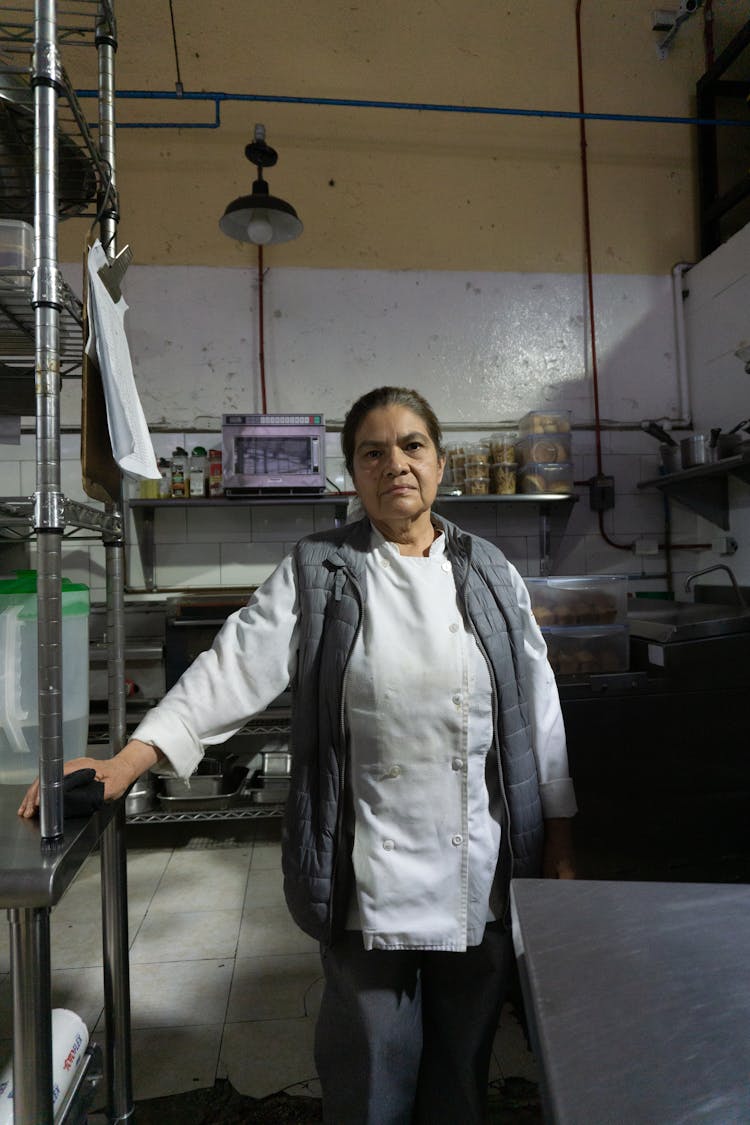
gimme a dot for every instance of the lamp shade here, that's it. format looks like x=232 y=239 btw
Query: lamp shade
x=260 y=218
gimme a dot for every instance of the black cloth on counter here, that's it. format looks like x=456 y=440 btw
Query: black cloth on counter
x=82 y=794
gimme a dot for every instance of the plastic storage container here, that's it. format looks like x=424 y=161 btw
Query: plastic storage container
x=587 y=651
x=592 y=599
x=16 y=248
x=546 y=476
x=19 y=702
x=545 y=422
x=543 y=448
x=503 y=478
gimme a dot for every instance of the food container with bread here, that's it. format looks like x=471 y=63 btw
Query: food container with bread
x=545 y=422
x=546 y=477
x=583 y=619
x=590 y=599
x=543 y=448
x=582 y=650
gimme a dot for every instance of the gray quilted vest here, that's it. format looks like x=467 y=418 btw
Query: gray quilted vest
x=330 y=574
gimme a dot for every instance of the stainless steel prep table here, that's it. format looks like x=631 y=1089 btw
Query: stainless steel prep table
x=638 y=996
x=32 y=880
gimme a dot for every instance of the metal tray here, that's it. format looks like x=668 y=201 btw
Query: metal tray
x=207 y=802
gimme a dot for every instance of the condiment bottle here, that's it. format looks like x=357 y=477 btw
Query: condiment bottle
x=179 y=482
x=198 y=471
x=215 y=479
x=165 y=484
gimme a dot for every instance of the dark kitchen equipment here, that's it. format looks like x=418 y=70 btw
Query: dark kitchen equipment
x=658 y=432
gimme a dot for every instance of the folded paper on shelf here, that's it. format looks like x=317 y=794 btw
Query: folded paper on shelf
x=108 y=345
x=70 y=1038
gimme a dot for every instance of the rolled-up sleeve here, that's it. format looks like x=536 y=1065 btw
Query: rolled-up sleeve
x=252 y=660
x=547 y=727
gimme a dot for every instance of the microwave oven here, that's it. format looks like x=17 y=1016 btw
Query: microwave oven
x=282 y=453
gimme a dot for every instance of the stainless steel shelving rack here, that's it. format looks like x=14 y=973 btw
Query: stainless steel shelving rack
x=55 y=169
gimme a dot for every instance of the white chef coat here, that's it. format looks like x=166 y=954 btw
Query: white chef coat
x=418 y=711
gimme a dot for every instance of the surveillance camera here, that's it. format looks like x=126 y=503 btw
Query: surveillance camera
x=688 y=7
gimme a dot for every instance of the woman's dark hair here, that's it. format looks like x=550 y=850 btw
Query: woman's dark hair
x=388 y=396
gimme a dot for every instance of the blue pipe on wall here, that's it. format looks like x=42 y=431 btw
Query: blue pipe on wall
x=362 y=103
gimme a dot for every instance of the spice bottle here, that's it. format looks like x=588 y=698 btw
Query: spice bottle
x=165 y=484
x=215 y=479
x=198 y=466
x=179 y=475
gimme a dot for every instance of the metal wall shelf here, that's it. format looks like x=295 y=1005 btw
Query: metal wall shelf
x=705 y=488
x=552 y=509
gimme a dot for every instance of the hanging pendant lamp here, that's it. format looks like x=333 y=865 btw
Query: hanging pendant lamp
x=260 y=218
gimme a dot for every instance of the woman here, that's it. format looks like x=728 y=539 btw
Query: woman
x=428 y=764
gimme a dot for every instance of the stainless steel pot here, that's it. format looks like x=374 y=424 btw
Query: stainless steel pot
x=693 y=451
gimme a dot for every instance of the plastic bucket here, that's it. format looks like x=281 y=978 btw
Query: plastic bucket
x=19 y=691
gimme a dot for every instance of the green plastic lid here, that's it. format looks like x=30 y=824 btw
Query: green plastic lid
x=25 y=583
x=23 y=587
x=199 y=451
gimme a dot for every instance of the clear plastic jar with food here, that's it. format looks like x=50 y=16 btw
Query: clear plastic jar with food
x=503 y=478
x=503 y=447
x=478 y=453
x=477 y=486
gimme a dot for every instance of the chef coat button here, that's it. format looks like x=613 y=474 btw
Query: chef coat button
x=388 y=845
x=446 y=566
x=457 y=700
x=457 y=840
x=457 y=764
x=453 y=628
x=385 y=562
x=394 y=771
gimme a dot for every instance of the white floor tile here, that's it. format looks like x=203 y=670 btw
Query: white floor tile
x=271 y=929
x=191 y=936
x=264 y=888
x=267 y=1056
x=75 y=945
x=210 y=880
x=266 y=856
x=277 y=987
x=80 y=990
x=179 y=994
x=174 y=1060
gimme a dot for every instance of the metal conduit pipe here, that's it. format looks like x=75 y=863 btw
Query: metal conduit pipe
x=217 y=98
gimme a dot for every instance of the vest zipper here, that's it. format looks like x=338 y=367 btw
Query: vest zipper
x=495 y=731
x=338 y=588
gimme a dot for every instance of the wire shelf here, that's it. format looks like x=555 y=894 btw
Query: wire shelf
x=77 y=21
x=82 y=174
x=251 y=812
x=17 y=323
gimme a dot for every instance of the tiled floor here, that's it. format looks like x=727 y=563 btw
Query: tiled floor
x=223 y=984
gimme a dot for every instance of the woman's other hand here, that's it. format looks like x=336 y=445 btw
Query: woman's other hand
x=557 y=859
x=117 y=773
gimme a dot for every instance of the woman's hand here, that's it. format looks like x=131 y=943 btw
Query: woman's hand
x=117 y=773
x=557 y=859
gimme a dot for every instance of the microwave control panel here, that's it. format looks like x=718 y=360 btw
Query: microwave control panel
x=273 y=419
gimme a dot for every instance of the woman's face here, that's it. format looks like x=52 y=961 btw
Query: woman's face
x=396 y=465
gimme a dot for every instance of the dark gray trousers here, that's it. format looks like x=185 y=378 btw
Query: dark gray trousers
x=404 y=1037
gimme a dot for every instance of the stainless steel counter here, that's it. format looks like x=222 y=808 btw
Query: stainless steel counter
x=638 y=995
x=30 y=877
x=33 y=879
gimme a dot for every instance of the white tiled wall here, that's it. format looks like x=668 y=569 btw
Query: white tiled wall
x=240 y=546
